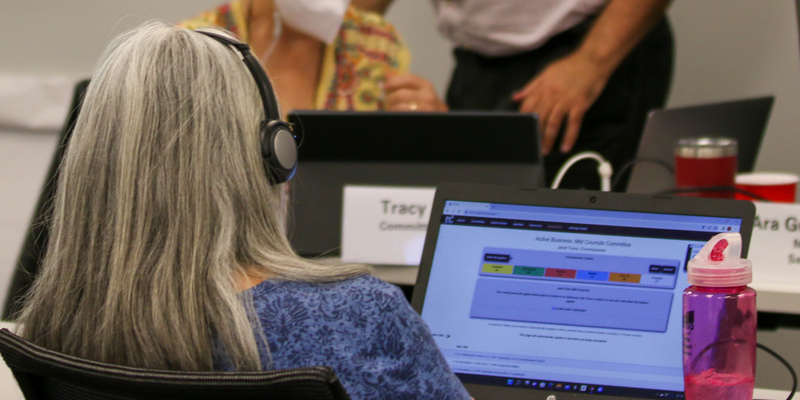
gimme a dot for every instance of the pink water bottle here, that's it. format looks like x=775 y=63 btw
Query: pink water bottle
x=719 y=323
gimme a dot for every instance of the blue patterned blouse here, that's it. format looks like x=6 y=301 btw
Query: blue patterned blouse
x=364 y=329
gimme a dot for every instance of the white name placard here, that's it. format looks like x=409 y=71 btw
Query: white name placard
x=775 y=244
x=385 y=225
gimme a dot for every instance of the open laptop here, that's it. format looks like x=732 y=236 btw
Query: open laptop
x=744 y=120
x=400 y=149
x=532 y=293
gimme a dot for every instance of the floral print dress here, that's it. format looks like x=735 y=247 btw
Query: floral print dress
x=366 y=50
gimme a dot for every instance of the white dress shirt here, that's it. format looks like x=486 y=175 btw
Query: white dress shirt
x=506 y=27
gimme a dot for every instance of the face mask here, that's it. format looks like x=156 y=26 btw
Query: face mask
x=317 y=18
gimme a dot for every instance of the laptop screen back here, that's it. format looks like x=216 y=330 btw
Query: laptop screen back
x=530 y=300
x=744 y=120
x=400 y=149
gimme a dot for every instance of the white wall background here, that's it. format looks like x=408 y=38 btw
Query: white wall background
x=726 y=49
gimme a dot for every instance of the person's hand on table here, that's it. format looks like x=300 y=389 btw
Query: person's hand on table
x=563 y=91
x=409 y=92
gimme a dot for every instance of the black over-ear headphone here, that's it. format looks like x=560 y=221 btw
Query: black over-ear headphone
x=278 y=140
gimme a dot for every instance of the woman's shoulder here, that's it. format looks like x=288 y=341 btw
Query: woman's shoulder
x=360 y=302
x=371 y=31
x=367 y=49
x=355 y=288
x=358 y=19
x=368 y=283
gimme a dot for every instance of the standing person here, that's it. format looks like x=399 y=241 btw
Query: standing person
x=321 y=54
x=591 y=70
x=168 y=247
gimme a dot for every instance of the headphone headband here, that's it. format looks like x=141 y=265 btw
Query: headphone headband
x=263 y=83
x=279 y=141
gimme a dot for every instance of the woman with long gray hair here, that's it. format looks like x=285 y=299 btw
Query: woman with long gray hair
x=168 y=247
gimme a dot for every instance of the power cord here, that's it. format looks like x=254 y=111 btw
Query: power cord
x=760 y=346
x=604 y=169
x=627 y=166
x=716 y=189
x=785 y=364
x=713 y=189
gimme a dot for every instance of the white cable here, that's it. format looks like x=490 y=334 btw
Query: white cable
x=604 y=169
x=277 y=31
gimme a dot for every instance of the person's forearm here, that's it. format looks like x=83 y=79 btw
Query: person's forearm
x=378 y=6
x=618 y=29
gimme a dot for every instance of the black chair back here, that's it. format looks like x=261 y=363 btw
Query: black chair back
x=45 y=374
x=38 y=234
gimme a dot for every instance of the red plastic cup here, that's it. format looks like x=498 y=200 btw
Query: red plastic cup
x=706 y=167
x=772 y=186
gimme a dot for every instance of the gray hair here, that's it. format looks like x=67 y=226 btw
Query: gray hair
x=162 y=206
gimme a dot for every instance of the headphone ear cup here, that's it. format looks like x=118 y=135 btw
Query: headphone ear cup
x=279 y=150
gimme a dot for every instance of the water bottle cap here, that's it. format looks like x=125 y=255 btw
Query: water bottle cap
x=718 y=264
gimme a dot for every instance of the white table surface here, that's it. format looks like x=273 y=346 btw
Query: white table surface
x=777 y=297
x=399 y=275
x=770 y=394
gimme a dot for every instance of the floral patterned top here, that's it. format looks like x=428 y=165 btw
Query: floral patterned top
x=354 y=66
x=363 y=328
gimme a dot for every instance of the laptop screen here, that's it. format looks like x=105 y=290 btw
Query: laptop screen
x=562 y=299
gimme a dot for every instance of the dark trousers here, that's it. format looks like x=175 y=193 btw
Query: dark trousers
x=612 y=126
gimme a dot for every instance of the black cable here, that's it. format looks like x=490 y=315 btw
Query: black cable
x=625 y=167
x=760 y=346
x=786 y=364
x=713 y=189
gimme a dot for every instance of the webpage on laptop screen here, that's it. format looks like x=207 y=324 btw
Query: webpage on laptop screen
x=564 y=299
